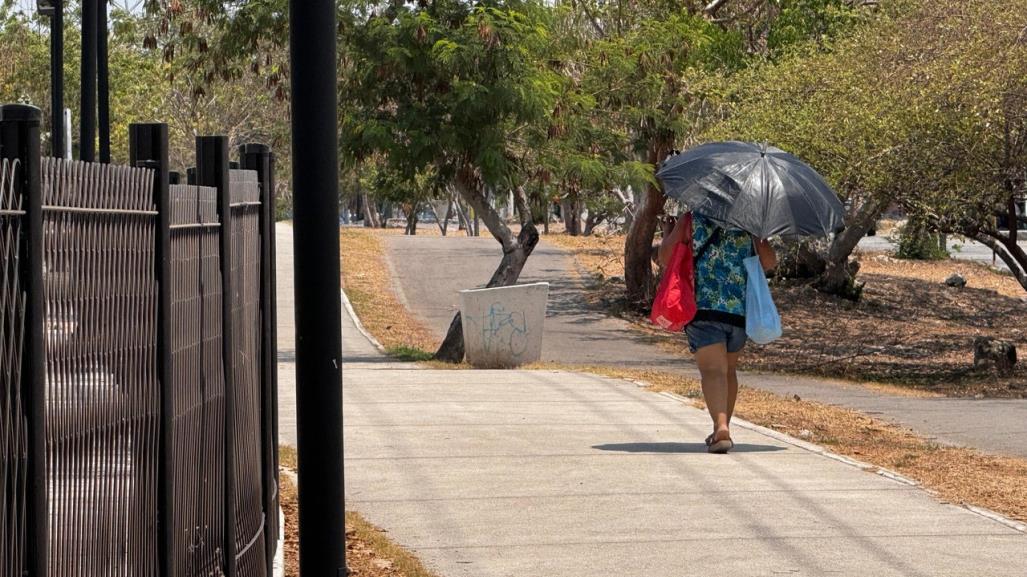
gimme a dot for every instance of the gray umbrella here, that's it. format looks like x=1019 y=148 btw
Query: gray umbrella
x=760 y=189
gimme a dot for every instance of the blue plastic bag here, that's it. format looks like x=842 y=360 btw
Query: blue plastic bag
x=762 y=323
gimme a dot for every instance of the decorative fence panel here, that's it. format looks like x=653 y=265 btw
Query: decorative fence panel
x=102 y=394
x=197 y=372
x=13 y=413
x=130 y=448
x=246 y=255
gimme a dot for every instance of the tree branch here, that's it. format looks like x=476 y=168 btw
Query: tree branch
x=713 y=7
x=1014 y=256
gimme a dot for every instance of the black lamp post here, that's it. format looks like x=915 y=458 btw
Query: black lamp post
x=87 y=121
x=103 y=83
x=318 y=307
x=55 y=10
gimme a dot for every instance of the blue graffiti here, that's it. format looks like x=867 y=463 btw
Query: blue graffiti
x=507 y=331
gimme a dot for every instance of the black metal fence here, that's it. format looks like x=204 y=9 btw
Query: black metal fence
x=137 y=361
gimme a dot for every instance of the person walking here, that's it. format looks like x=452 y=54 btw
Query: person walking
x=717 y=335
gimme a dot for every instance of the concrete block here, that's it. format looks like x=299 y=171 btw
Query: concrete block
x=503 y=326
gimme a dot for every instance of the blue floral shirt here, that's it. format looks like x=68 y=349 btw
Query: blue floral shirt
x=720 y=274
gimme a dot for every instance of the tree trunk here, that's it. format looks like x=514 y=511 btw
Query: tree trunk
x=594 y=219
x=516 y=251
x=1009 y=251
x=839 y=276
x=463 y=223
x=445 y=221
x=411 y=228
x=371 y=216
x=571 y=209
x=638 y=247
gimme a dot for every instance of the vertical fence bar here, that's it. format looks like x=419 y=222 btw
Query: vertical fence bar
x=19 y=139
x=212 y=166
x=258 y=157
x=148 y=148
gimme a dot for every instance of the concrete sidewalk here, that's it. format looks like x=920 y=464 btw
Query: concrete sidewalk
x=428 y=272
x=502 y=473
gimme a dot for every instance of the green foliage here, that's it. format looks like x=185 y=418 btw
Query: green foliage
x=444 y=88
x=917 y=242
x=409 y=354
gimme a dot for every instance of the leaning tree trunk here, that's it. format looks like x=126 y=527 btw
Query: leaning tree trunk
x=839 y=276
x=638 y=247
x=595 y=218
x=1008 y=250
x=516 y=250
x=371 y=216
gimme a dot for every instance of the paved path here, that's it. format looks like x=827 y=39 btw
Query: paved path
x=970 y=250
x=502 y=473
x=429 y=270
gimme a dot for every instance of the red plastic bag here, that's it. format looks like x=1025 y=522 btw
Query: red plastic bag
x=674 y=306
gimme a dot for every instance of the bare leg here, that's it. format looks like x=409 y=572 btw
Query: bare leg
x=713 y=366
x=732 y=384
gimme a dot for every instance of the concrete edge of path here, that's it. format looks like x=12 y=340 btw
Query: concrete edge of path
x=866 y=467
x=360 y=326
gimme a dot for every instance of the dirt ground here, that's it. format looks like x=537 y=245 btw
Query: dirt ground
x=910 y=329
x=369 y=552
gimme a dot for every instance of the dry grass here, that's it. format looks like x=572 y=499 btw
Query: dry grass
x=910 y=331
x=368 y=285
x=595 y=255
x=978 y=276
x=369 y=552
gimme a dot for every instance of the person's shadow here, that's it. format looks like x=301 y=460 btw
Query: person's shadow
x=682 y=448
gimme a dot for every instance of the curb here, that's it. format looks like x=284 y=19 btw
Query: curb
x=866 y=467
x=360 y=327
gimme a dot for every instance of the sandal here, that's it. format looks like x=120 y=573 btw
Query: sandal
x=709 y=440
x=721 y=447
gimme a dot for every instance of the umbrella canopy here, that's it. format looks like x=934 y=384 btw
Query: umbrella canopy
x=760 y=189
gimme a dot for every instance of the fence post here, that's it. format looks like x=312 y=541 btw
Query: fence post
x=148 y=148
x=19 y=139
x=212 y=167
x=258 y=157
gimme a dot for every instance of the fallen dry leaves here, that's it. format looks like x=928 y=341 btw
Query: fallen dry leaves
x=369 y=551
x=368 y=285
x=909 y=330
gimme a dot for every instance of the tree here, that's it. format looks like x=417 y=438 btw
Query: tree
x=971 y=153
x=922 y=106
x=651 y=66
x=450 y=88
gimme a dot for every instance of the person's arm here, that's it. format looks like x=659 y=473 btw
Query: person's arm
x=768 y=258
x=673 y=233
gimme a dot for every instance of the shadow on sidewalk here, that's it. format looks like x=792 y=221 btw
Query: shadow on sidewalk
x=681 y=448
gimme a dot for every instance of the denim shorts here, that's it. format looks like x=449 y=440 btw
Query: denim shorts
x=705 y=333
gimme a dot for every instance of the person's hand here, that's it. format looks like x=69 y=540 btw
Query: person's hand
x=667 y=225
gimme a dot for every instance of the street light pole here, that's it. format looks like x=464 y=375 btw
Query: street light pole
x=103 y=83
x=87 y=120
x=55 y=10
x=318 y=304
